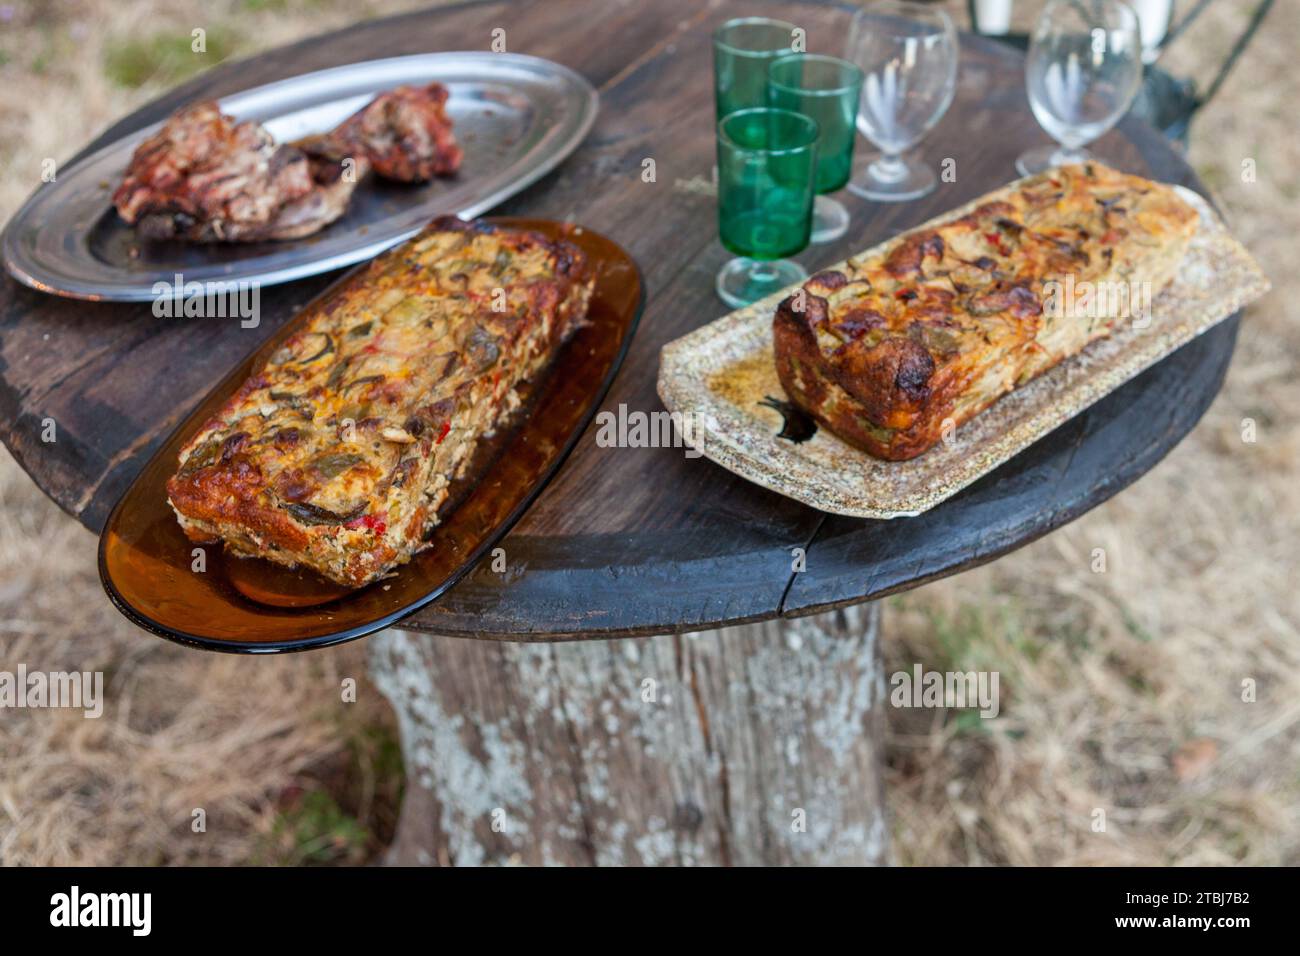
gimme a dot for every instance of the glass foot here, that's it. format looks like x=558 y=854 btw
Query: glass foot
x=742 y=281
x=893 y=179
x=1046 y=157
x=830 y=220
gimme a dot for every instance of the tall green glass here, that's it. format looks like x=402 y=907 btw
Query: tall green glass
x=742 y=50
x=767 y=165
x=827 y=89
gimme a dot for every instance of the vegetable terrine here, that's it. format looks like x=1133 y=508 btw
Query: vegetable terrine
x=338 y=452
x=894 y=351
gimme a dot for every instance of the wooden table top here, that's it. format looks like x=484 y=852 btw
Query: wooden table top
x=624 y=540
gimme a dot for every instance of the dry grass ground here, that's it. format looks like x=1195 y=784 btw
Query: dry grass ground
x=1122 y=691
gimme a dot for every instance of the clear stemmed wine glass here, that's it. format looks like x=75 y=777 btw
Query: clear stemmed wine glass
x=1083 y=70
x=908 y=52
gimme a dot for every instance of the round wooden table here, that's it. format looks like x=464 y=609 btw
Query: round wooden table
x=751 y=744
x=640 y=540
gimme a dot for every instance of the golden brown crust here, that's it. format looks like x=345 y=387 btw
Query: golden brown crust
x=911 y=342
x=338 y=452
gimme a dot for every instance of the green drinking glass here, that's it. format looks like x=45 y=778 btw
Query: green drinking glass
x=742 y=50
x=767 y=167
x=827 y=89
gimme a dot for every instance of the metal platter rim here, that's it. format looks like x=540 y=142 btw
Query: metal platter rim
x=580 y=105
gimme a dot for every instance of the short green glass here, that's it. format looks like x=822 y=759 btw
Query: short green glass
x=742 y=50
x=767 y=168
x=827 y=89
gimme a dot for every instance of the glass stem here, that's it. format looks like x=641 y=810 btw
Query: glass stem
x=889 y=168
x=1066 y=155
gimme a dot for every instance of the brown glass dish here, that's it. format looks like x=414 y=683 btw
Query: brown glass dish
x=252 y=606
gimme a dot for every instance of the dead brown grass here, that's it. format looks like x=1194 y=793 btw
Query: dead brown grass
x=1121 y=691
x=1112 y=675
x=184 y=730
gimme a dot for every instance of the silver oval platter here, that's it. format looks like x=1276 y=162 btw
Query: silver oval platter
x=515 y=116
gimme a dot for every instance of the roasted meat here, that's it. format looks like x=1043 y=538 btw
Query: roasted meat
x=900 y=346
x=338 y=452
x=205 y=178
x=404 y=134
x=332 y=184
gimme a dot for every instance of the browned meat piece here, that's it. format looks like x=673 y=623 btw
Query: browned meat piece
x=206 y=178
x=332 y=186
x=405 y=134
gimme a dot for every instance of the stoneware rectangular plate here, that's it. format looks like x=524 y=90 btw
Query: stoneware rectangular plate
x=723 y=376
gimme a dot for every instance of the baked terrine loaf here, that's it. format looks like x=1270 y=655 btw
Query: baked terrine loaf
x=900 y=347
x=338 y=452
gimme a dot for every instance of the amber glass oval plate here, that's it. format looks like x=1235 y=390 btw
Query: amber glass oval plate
x=150 y=569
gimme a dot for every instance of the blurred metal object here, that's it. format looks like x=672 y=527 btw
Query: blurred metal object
x=1154 y=19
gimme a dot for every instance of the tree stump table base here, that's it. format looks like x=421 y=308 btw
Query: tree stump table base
x=749 y=745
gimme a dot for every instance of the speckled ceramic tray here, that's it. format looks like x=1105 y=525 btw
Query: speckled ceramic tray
x=723 y=376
